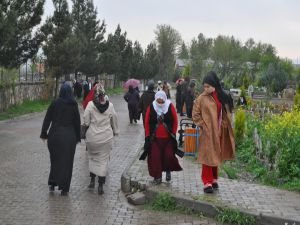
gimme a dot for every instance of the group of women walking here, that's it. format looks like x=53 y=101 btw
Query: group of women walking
x=211 y=112
x=63 y=119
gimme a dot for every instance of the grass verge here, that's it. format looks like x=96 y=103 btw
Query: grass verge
x=24 y=108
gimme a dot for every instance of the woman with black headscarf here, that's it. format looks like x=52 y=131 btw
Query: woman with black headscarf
x=64 y=121
x=132 y=98
x=101 y=118
x=212 y=113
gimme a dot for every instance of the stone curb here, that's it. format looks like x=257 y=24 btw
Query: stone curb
x=208 y=209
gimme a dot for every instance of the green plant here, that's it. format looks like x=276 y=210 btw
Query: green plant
x=114 y=91
x=164 y=201
x=24 y=108
x=230 y=171
x=234 y=217
x=297 y=98
x=239 y=126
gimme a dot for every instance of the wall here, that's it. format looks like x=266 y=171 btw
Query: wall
x=20 y=93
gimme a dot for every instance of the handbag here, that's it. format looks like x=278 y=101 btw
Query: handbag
x=83 y=130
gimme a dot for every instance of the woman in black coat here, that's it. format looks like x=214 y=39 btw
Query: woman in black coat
x=64 y=121
x=132 y=98
x=146 y=99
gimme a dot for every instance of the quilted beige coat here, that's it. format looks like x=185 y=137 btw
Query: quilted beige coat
x=216 y=139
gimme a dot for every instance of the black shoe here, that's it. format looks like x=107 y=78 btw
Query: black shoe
x=92 y=183
x=100 y=189
x=168 y=176
x=101 y=181
x=135 y=121
x=208 y=190
x=63 y=193
x=215 y=186
x=157 y=181
x=51 y=188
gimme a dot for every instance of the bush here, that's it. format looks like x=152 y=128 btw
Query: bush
x=239 y=126
x=297 y=98
x=232 y=216
x=164 y=201
x=283 y=132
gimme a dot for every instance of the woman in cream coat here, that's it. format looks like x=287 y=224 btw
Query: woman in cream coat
x=101 y=118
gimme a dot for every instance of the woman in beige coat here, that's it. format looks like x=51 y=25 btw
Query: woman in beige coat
x=212 y=112
x=101 y=118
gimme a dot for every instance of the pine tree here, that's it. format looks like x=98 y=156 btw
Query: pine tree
x=17 y=21
x=90 y=33
x=58 y=49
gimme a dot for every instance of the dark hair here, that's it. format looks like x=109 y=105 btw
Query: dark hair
x=212 y=79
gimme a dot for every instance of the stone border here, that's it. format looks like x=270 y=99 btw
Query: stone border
x=207 y=208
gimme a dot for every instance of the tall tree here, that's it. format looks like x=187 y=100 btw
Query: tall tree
x=90 y=34
x=126 y=62
x=226 y=54
x=200 y=55
x=137 y=60
x=17 y=21
x=150 y=62
x=183 y=52
x=61 y=56
x=112 y=56
x=168 y=40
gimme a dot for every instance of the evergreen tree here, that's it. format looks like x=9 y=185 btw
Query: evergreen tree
x=137 y=61
x=183 y=52
x=114 y=53
x=150 y=62
x=126 y=62
x=59 y=49
x=17 y=21
x=90 y=34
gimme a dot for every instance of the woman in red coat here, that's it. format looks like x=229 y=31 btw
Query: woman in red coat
x=160 y=125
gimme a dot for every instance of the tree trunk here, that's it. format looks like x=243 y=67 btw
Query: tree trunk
x=56 y=85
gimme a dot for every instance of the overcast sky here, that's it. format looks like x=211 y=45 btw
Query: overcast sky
x=270 y=21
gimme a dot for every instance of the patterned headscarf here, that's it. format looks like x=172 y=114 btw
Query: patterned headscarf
x=99 y=92
x=100 y=99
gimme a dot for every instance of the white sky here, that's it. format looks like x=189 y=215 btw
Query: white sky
x=270 y=21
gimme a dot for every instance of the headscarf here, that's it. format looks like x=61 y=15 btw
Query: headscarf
x=91 y=96
x=212 y=79
x=100 y=99
x=161 y=108
x=66 y=94
x=130 y=89
x=151 y=85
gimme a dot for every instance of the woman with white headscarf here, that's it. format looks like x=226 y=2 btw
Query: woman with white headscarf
x=101 y=118
x=160 y=127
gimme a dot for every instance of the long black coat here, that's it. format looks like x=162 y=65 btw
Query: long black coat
x=146 y=99
x=132 y=98
x=62 y=137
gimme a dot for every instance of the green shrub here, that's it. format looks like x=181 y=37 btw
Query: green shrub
x=283 y=132
x=164 y=201
x=234 y=217
x=239 y=126
x=297 y=99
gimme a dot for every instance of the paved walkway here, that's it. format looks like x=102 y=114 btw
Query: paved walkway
x=249 y=197
x=24 y=170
